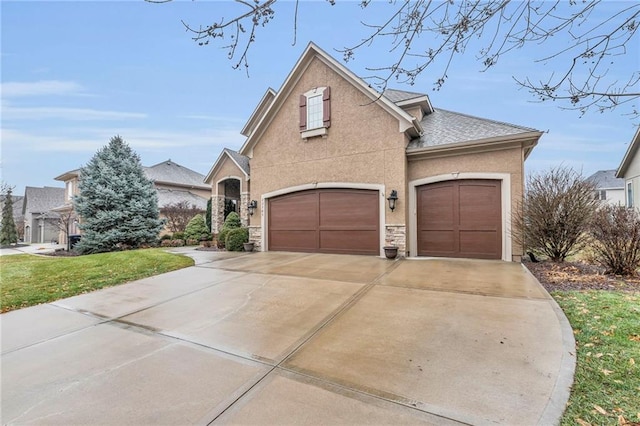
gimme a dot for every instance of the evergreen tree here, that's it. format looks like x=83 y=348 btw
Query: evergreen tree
x=8 y=231
x=117 y=203
x=207 y=217
x=197 y=229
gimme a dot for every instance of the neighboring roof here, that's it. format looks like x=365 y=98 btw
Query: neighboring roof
x=68 y=175
x=629 y=155
x=406 y=121
x=443 y=127
x=606 y=179
x=42 y=200
x=172 y=196
x=173 y=173
x=240 y=160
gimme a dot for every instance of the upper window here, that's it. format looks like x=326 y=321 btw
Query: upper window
x=629 y=194
x=315 y=112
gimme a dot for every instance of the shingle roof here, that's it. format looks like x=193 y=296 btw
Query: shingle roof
x=443 y=127
x=242 y=161
x=172 y=196
x=170 y=172
x=396 y=96
x=606 y=179
x=42 y=200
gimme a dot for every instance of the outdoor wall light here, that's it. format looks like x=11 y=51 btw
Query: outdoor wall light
x=392 y=199
x=253 y=204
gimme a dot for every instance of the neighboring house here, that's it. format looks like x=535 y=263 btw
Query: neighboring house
x=40 y=221
x=174 y=183
x=17 y=201
x=609 y=188
x=629 y=170
x=332 y=166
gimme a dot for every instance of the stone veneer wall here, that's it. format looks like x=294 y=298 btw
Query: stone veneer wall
x=244 y=211
x=396 y=235
x=255 y=236
x=217 y=213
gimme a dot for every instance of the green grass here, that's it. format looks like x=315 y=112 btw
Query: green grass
x=606 y=326
x=28 y=280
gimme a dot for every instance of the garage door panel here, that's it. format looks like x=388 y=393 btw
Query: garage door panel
x=294 y=213
x=293 y=240
x=439 y=201
x=326 y=221
x=478 y=244
x=355 y=242
x=347 y=209
x=436 y=243
x=460 y=218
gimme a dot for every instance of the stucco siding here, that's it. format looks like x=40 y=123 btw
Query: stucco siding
x=362 y=146
x=228 y=169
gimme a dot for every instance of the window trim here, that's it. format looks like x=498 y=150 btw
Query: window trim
x=325 y=105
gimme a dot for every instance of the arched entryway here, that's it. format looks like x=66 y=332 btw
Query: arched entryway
x=228 y=199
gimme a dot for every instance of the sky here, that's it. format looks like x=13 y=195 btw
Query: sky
x=76 y=73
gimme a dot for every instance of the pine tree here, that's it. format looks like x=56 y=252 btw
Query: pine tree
x=117 y=203
x=207 y=217
x=8 y=231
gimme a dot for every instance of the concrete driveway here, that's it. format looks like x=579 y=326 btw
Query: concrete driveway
x=290 y=338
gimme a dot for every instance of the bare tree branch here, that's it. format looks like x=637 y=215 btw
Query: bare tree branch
x=421 y=34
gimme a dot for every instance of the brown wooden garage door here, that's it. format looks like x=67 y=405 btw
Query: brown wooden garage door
x=460 y=218
x=325 y=221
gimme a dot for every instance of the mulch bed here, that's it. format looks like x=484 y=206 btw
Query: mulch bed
x=569 y=276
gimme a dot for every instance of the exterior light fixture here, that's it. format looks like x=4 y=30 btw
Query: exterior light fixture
x=392 y=199
x=253 y=204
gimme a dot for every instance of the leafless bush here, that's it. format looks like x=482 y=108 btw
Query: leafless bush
x=616 y=239
x=555 y=214
x=179 y=214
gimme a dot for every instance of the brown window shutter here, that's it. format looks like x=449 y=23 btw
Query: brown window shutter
x=303 y=113
x=326 y=107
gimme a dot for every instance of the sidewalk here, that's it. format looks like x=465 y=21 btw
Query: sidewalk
x=31 y=249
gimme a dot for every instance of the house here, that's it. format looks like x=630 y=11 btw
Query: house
x=329 y=165
x=174 y=183
x=629 y=171
x=609 y=188
x=41 y=224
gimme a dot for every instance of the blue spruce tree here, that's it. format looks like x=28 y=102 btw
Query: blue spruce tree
x=117 y=203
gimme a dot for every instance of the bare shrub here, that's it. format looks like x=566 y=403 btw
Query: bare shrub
x=554 y=217
x=179 y=214
x=616 y=239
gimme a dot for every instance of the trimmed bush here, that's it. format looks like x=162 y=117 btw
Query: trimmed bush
x=192 y=242
x=236 y=238
x=172 y=243
x=197 y=229
x=616 y=234
x=178 y=236
x=165 y=237
x=231 y=222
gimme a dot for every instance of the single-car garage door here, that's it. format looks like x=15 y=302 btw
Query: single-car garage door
x=460 y=218
x=325 y=221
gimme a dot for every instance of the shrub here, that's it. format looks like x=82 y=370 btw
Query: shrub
x=197 y=229
x=165 y=237
x=236 y=238
x=231 y=222
x=555 y=214
x=178 y=236
x=192 y=242
x=616 y=234
x=172 y=243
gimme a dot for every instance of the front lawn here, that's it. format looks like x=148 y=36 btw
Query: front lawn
x=29 y=280
x=606 y=326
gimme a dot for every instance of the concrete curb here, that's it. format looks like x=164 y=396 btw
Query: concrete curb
x=557 y=404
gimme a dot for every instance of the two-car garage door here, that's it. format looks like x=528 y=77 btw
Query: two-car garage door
x=325 y=221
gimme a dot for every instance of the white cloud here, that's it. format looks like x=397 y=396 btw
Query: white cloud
x=15 y=89
x=73 y=114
